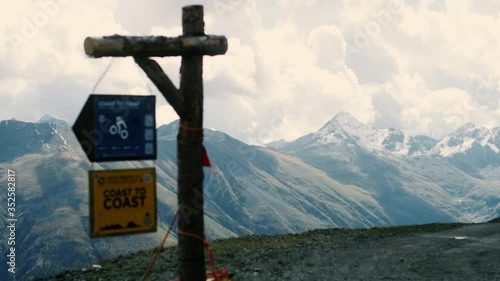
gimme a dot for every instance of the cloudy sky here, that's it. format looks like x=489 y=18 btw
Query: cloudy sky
x=424 y=66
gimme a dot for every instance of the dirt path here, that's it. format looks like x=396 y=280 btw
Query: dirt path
x=471 y=252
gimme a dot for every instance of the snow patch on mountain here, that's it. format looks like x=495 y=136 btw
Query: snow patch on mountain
x=464 y=138
x=344 y=128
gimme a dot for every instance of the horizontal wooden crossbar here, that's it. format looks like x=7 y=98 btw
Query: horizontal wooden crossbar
x=155 y=46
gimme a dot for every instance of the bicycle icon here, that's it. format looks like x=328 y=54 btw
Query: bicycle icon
x=119 y=128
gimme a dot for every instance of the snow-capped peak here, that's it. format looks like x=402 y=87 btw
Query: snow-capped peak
x=464 y=138
x=344 y=118
x=467 y=127
x=345 y=122
x=344 y=128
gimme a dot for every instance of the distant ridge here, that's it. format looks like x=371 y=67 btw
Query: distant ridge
x=346 y=174
x=49 y=119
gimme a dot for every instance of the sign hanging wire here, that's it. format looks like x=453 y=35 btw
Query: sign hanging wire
x=102 y=75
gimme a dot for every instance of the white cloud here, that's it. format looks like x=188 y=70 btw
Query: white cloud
x=427 y=67
x=329 y=46
x=238 y=65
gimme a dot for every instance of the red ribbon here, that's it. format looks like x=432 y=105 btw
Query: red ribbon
x=204 y=157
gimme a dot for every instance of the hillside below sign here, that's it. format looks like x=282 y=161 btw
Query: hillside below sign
x=122 y=202
x=117 y=127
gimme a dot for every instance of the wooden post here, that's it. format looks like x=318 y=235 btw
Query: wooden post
x=188 y=103
x=189 y=157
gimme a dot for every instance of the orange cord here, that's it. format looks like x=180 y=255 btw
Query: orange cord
x=207 y=247
x=186 y=128
x=213 y=274
x=160 y=247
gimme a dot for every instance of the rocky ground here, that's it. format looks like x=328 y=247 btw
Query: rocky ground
x=422 y=252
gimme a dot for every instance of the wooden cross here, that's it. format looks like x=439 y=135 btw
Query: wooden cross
x=187 y=101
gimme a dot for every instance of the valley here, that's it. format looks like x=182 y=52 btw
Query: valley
x=346 y=175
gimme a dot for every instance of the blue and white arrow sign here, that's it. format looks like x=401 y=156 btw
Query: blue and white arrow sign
x=117 y=127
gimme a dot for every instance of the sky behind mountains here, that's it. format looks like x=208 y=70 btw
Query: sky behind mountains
x=426 y=67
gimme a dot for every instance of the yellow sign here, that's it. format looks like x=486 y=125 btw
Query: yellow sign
x=122 y=202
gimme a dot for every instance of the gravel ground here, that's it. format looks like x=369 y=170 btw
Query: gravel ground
x=467 y=253
x=429 y=252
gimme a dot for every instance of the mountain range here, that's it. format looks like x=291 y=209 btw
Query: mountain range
x=346 y=174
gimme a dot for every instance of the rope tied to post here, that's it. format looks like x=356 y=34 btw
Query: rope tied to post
x=207 y=248
x=153 y=261
x=204 y=155
x=189 y=129
x=215 y=274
